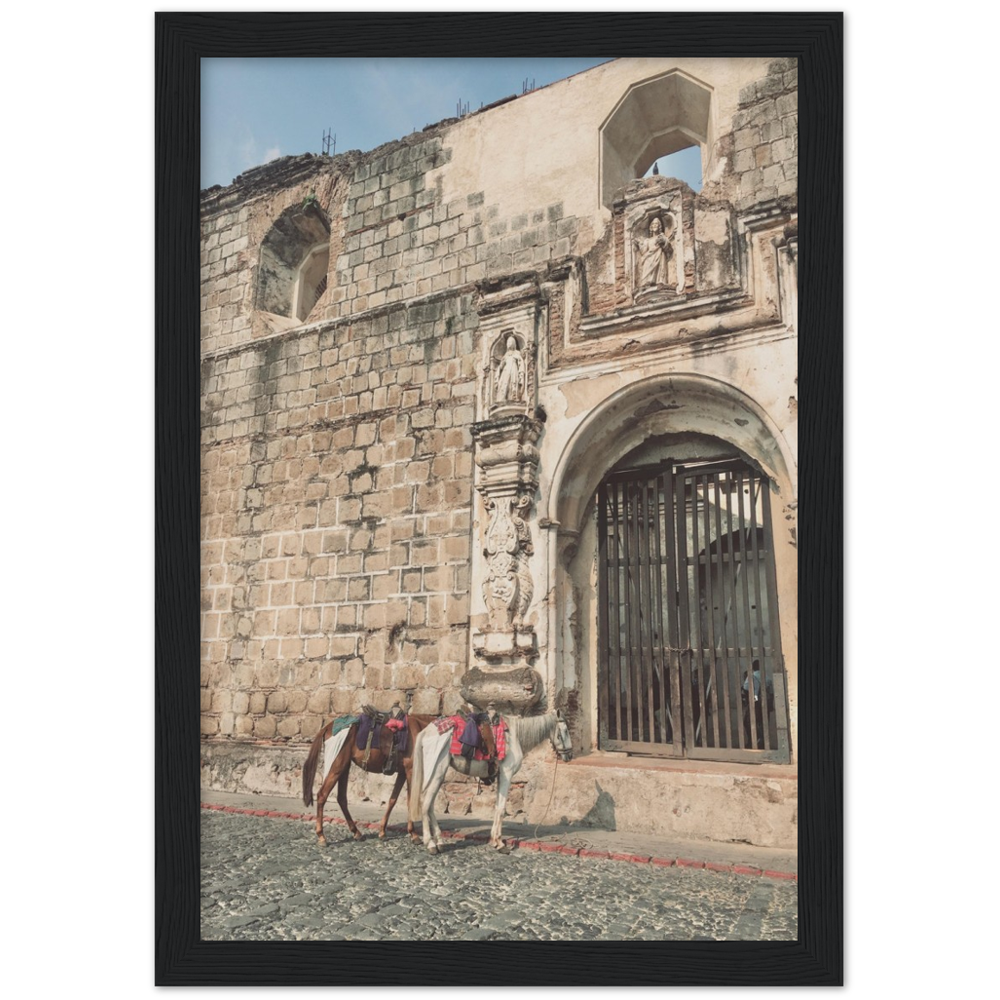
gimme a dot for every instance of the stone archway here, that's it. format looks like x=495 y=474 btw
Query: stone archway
x=666 y=410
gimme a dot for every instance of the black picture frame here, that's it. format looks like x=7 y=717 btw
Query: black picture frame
x=816 y=958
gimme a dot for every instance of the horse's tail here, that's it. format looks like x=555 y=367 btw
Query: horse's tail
x=309 y=768
x=417 y=779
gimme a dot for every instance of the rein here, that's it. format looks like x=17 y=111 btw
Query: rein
x=552 y=791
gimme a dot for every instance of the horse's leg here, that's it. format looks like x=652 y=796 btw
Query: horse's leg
x=324 y=793
x=397 y=785
x=508 y=768
x=432 y=832
x=503 y=787
x=342 y=802
x=410 y=827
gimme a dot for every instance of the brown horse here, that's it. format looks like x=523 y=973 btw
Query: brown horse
x=371 y=760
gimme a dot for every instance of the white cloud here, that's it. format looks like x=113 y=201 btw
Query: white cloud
x=271 y=154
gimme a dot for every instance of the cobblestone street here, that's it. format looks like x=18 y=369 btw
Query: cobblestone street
x=267 y=879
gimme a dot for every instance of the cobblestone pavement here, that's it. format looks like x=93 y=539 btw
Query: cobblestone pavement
x=268 y=879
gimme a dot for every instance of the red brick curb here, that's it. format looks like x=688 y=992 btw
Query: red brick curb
x=546 y=847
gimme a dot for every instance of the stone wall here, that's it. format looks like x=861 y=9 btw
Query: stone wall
x=337 y=474
x=765 y=135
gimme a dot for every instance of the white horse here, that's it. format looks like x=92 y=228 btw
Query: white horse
x=431 y=760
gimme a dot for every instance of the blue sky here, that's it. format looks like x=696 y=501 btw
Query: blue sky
x=254 y=110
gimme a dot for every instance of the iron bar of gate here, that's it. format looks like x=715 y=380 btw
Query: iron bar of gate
x=732 y=622
x=756 y=567
x=742 y=634
x=745 y=575
x=777 y=671
x=650 y=632
x=628 y=608
x=668 y=635
x=731 y=729
x=604 y=629
x=677 y=499
x=615 y=680
x=720 y=704
x=635 y=619
x=759 y=485
x=766 y=668
x=706 y=722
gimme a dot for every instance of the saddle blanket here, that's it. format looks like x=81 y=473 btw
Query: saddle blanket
x=333 y=746
x=457 y=725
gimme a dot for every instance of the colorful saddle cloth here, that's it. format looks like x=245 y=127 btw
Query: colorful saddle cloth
x=465 y=734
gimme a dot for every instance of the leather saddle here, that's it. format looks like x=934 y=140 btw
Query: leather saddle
x=385 y=731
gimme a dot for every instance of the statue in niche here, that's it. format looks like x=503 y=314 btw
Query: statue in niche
x=656 y=267
x=508 y=385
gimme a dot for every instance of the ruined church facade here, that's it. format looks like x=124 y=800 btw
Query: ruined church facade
x=490 y=418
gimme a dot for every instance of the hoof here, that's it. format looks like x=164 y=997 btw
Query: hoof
x=433 y=849
x=321 y=840
x=414 y=839
x=358 y=835
x=381 y=835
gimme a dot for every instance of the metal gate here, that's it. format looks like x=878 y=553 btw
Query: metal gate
x=690 y=656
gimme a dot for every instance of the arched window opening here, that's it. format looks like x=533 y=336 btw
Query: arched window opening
x=653 y=119
x=294 y=261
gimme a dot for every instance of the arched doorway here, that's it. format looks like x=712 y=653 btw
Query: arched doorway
x=675 y=574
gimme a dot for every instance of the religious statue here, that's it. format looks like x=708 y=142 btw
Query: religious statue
x=508 y=386
x=655 y=254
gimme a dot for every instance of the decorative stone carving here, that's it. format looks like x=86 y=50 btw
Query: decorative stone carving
x=506 y=455
x=515 y=690
x=655 y=255
x=507 y=588
x=509 y=376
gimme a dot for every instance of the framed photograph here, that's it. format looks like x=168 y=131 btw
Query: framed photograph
x=518 y=429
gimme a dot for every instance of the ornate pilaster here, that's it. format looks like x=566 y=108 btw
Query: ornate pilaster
x=504 y=640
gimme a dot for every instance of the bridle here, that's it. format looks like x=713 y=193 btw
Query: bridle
x=561 y=740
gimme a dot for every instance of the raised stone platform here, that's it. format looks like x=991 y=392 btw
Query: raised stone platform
x=691 y=800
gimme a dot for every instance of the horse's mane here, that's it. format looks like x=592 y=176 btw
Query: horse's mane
x=532 y=729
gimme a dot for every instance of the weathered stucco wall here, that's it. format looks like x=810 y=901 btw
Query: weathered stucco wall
x=357 y=463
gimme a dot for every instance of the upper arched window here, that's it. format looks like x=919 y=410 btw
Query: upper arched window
x=294 y=261
x=653 y=119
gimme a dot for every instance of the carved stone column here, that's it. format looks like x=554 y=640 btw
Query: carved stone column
x=504 y=641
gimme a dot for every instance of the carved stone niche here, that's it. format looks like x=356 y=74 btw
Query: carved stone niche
x=508 y=324
x=654 y=248
x=509 y=375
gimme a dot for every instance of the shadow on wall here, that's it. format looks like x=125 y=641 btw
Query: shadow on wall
x=601 y=814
